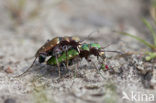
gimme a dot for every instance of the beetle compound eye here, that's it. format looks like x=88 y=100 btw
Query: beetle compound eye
x=77 y=39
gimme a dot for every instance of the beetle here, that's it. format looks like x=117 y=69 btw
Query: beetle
x=86 y=50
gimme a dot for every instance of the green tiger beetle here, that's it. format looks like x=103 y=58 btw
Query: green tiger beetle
x=86 y=50
x=56 y=47
x=64 y=49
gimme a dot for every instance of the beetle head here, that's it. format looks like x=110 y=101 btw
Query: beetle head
x=102 y=54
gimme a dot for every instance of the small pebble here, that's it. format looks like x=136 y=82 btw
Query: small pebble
x=9 y=70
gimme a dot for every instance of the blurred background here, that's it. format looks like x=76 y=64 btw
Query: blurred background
x=59 y=17
x=40 y=20
x=25 y=25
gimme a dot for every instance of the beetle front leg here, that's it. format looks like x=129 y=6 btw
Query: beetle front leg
x=97 y=69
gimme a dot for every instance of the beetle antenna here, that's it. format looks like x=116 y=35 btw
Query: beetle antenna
x=27 y=69
x=89 y=35
x=112 y=51
x=106 y=46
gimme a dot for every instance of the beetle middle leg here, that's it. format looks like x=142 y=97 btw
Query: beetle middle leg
x=58 y=65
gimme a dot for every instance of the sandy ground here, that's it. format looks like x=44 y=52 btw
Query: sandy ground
x=28 y=29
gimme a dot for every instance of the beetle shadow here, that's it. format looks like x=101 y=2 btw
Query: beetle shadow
x=50 y=71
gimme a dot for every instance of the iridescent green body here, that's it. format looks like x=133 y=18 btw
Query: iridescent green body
x=88 y=46
x=70 y=55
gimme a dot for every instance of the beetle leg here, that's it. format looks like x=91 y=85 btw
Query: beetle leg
x=97 y=69
x=58 y=65
x=66 y=60
x=78 y=49
x=66 y=57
